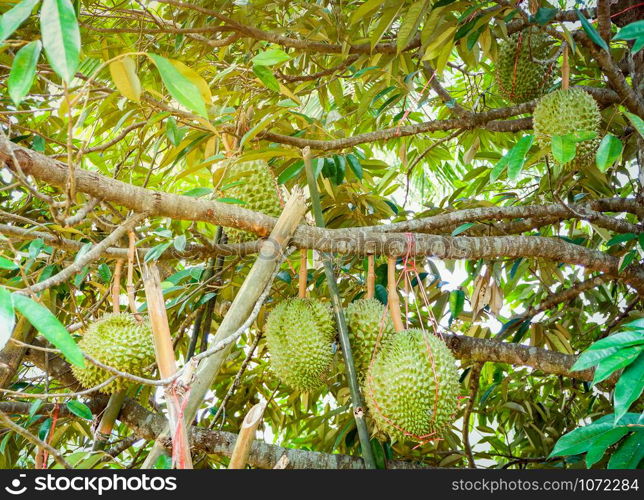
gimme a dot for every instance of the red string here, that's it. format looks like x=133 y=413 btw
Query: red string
x=179 y=398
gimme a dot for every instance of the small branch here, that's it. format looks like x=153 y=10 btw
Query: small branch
x=4 y=418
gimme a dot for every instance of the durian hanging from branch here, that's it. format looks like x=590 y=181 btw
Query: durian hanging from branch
x=412 y=383
x=525 y=68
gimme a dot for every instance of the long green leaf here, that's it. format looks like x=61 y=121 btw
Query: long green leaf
x=629 y=386
x=80 y=409
x=637 y=122
x=590 y=31
x=7 y=317
x=610 y=149
x=60 y=37
x=355 y=165
x=629 y=454
x=581 y=439
x=13 y=18
x=633 y=31
x=267 y=77
x=600 y=445
x=183 y=90
x=564 y=148
x=616 y=361
x=23 y=71
x=48 y=325
x=518 y=156
x=270 y=57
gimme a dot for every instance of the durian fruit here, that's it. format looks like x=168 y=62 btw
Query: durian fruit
x=522 y=70
x=565 y=112
x=119 y=341
x=412 y=386
x=253 y=183
x=368 y=324
x=300 y=335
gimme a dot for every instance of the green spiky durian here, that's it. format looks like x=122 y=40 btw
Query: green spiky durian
x=300 y=335
x=368 y=324
x=412 y=385
x=253 y=183
x=566 y=112
x=522 y=71
x=119 y=341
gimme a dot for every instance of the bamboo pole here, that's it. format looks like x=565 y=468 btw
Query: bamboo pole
x=565 y=69
x=303 y=275
x=354 y=388
x=109 y=417
x=392 y=297
x=371 y=276
x=166 y=362
x=259 y=277
x=246 y=437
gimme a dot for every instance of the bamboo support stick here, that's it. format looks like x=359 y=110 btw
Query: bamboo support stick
x=565 y=69
x=116 y=287
x=108 y=419
x=392 y=297
x=371 y=276
x=259 y=277
x=166 y=362
x=246 y=436
x=303 y=276
x=354 y=388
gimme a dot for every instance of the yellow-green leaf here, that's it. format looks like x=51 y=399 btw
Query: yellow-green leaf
x=124 y=76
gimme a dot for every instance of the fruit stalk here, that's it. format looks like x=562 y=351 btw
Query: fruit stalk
x=356 y=398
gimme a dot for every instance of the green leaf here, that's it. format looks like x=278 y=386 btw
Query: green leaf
x=629 y=454
x=500 y=167
x=80 y=409
x=410 y=24
x=13 y=18
x=518 y=155
x=8 y=264
x=48 y=325
x=104 y=272
x=633 y=31
x=600 y=445
x=610 y=149
x=180 y=243
x=290 y=172
x=621 y=238
x=456 y=302
x=564 y=148
x=616 y=361
x=629 y=387
x=156 y=251
x=637 y=122
x=267 y=77
x=591 y=32
x=581 y=439
x=621 y=339
x=198 y=192
x=60 y=37
x=543 y=16
x=7 y=317
x=43 y=431
x=462 y=228
x=23 y=71
x=340 y=168
x=355 y=165
x=174 y=134
x=183 y=90
x=270 y=57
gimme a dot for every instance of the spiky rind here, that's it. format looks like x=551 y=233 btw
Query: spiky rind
x=370 y=327
x=300 y=335
x=253 y=183
x=565 y=112
x=119 y=341
x=523 y=71
x=412 y=386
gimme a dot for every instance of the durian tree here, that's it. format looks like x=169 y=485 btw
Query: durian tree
x=466 y=285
